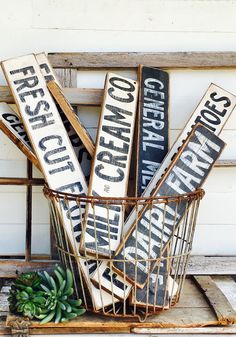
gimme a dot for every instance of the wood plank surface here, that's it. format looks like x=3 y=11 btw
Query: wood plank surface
x=188 y=314
x=217 y=300
x=211 y=265
x=197 y=265
x=227 y=285
x=132 y=60
x=81 y=96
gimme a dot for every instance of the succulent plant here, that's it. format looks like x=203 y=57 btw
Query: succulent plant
x=32 y=280
x=45 y=297
x=28 y=302
x=60 y=306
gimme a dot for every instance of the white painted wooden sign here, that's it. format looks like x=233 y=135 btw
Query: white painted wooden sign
x=213 y=111
x=151 y=234
x=13 y=128
x=51 y=145
x=46 y=68
x=81 y=152
x=111 y=165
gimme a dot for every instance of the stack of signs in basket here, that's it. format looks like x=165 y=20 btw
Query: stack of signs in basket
x=81 y=152
x=111 y=165
x=52 y=146
x=156 y=225
x=12 y=126
x=222 y=104
x=152 y=124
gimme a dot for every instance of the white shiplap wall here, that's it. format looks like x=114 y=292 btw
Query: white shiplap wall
x=119 y=25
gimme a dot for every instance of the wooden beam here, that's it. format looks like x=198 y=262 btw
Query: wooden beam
x=197 y=332
x=198 y=265
x=21 y=181
x=211 y=265
x=217 y=300
x=11 y=268
x=76 y=96
x=132 y=60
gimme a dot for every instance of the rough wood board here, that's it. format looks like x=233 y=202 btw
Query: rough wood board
x=211 y=265
x=132 y=60
x=197 y=332
x=188 y=313
x=217 y=300
x=228 y=287
x=68 y=111
x=80 y=96
x=11 y=268
x=198 y=265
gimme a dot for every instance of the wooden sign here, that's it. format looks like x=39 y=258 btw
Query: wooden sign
x=71 y=116
x=156 y=225
x=110 y=281
x=84 y=159
x=155 y=294
x=213 y=111
x=52 y=147
x=46 y=68
x=217 y=103
x=152 y=124
x=111 y=165
x=81 y=152
x=13 y=128
x=160 y=288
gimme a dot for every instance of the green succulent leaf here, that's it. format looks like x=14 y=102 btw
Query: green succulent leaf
x=45 y=297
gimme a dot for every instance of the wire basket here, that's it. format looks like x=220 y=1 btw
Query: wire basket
x=97 y=283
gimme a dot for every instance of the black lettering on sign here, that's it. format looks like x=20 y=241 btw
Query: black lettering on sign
x=216 y=97
x=156 y=292
x=13 y=128
x=106 y=279
x=186 y=173
x=51 y=145
x=152 y=124
x=111 y=164
x=81 y=152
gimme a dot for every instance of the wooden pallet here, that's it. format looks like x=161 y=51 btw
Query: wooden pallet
x=207 y=306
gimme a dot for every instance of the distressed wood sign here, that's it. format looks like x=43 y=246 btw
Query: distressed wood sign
x=217 y=103
x=51 y=145
x=111 y=165
x=13 y=128
x=71 y=116
x=81 y=152
x=46 y=68
x=213 y=111
x=155 y=294
x=110 y=281
x=160 y=289
x=152 y=124
x=156 y=224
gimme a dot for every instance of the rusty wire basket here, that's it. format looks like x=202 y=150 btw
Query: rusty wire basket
x=97 y=283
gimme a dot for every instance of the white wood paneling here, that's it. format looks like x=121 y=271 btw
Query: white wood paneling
x=215 y=240
x=149 y=15
x=13 y=240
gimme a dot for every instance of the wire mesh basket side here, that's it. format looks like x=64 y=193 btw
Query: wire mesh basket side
x=97 y=283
